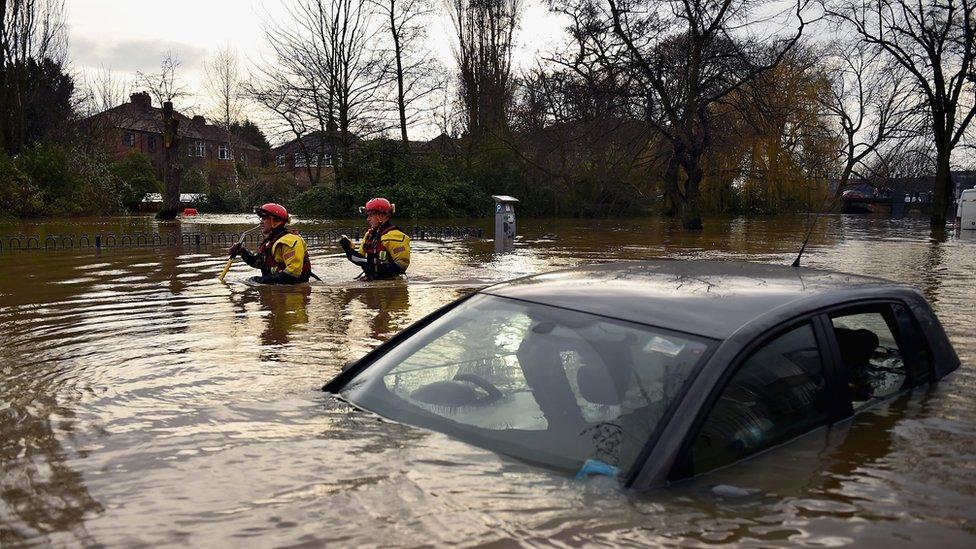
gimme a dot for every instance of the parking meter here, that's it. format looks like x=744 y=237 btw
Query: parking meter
x=504 y=222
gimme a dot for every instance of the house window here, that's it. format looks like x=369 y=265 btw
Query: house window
x=223 y=152
x=301 y=161
x=128 y=139
x=200 y=148
x=151 y=143
x=280 y=160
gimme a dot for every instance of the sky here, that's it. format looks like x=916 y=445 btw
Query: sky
x=127 y=36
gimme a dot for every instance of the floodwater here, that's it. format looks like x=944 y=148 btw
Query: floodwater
x=143 y=403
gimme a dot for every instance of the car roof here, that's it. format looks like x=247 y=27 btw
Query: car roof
x=707 y=298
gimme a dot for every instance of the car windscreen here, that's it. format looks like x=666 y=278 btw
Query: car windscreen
x=544 y=384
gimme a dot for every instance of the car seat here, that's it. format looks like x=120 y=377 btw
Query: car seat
x=538 y=356
x=856 y=349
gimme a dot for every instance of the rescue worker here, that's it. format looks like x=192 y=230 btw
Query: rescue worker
x=283 y=255
x=385 y=250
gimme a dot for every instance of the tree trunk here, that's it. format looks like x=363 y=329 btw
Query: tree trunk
x=171 y=164
x=672 y=198
x=691 y=209
x=401 y=100
x=943 y=187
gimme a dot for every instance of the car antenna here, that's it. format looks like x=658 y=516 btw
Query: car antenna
x=796 y=262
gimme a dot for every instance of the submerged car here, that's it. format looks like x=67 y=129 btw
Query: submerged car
x=656 y=371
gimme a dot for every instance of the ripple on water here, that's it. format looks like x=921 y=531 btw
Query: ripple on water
x=147 y=404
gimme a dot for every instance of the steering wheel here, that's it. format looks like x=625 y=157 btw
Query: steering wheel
x=482 y=383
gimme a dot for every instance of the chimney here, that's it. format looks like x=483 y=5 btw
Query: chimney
x=142 y=100
x=197 y=119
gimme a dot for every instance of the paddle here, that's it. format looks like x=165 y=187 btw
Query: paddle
x=231 y=260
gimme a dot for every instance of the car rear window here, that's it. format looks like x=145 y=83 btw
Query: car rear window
x=546 y=384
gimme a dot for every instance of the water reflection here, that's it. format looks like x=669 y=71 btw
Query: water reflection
x=40 y=492
x=284 y=308
x=384 y=303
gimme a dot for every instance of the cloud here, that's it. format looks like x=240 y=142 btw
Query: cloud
x=132 y=55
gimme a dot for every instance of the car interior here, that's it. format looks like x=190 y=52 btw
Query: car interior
x=779 y=391
x=871 y=356
x=580 y=386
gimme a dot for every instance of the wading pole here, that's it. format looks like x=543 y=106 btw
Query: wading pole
x=231 y=260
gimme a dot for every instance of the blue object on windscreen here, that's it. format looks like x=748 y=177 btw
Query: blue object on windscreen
x=596 y=467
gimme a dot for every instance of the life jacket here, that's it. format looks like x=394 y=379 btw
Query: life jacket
x=266 y=257
x=376 y=251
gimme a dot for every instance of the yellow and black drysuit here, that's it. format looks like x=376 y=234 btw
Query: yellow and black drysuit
x=384 y=252
x=282 y=258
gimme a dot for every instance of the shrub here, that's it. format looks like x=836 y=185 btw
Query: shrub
x=18 y=196
x=422 y=185
x=135 y=176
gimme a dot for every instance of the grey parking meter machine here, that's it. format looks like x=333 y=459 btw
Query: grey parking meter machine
x=504 y=222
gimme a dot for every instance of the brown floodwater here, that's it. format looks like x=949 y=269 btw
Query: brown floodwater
x=144 y=403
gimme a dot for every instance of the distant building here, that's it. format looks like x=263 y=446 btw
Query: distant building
x=316 y=152
x=961 y=181
x=137 y=126
x=320 y=151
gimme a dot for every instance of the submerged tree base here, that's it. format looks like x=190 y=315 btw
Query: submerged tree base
x=166 y=215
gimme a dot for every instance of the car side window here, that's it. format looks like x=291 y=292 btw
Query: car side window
x=877 y=365
x=777 y=394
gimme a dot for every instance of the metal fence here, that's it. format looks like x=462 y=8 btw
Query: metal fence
x=148 y=240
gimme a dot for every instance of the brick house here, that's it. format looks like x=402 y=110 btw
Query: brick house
x=316 y=152
x=137 y=126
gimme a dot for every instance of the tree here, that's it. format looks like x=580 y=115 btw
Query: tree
x=326 y=79
x=33 y=49
x=690 y=56
x=485 y=42
x=415 y=76
x=870 y=104
x=103 y=91
x=775 y=149
x=224 y=84
x=166 y=86
x=935 y=42
x=249 y=132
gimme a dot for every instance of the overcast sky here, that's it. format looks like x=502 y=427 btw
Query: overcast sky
x=127 y=36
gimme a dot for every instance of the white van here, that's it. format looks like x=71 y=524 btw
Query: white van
x=966 y=212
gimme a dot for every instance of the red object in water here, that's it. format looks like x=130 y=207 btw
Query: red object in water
x=189 y=211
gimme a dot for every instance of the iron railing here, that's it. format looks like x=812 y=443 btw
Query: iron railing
x=221 y=239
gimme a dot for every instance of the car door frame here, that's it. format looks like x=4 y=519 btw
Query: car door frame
x=838 y=396
x=681 y=467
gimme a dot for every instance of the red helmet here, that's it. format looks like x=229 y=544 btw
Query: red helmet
x=378 y=205
x=276 y=211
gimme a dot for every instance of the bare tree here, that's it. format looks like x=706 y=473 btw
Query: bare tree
x=226 y=91
x=416 y=76
x=326 y=78
x=935 y=42
x=166 y=85
x=224 y=84
x=105 y=90
x=871 y=104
